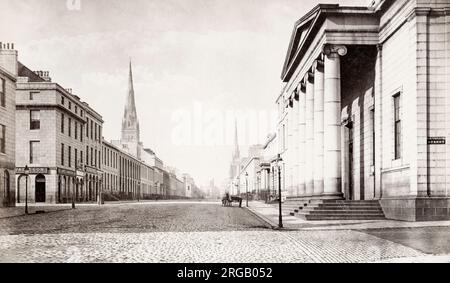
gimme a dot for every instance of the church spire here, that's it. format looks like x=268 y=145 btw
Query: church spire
x=130 y=123
x=236 y=152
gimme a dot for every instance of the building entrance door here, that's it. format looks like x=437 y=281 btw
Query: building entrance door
x=351 y=195
x=40 y=188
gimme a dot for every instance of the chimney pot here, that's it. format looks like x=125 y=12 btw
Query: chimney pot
x=12 y=46
x=7 y=46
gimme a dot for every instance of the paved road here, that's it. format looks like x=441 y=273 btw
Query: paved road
x=180 y=232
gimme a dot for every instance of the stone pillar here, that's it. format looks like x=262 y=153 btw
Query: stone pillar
x=332 y=120
x=296 y=144
x=318 y=126
x=302 y=140
x=309 y=133
x=378 y=193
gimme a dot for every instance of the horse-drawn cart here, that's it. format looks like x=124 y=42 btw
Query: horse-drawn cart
x=228 y=200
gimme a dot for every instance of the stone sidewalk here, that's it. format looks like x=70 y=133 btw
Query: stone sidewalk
x=269 y=214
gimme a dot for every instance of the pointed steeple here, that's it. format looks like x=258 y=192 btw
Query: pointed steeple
x=236 y=153
x=130 y=123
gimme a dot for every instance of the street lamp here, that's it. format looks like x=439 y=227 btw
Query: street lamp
x=139 y=191
x=27 y=172
x=100 y=197
x=280 y=215
x=246 y=187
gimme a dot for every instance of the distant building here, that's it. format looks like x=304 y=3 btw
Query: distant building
x=267 y=176
x=125 y=177
x=8 y=77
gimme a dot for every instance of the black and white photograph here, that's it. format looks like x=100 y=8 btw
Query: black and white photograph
x=224 y=132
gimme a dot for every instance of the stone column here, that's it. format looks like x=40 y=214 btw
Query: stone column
x=296 y=143
x=302 y=140
x=332 y=120
x=309 y=133
x=318 y=126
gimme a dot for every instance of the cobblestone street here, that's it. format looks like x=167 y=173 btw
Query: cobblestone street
x=182 y=233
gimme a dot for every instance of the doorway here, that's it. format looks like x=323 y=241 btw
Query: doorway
x=351 y=181
x=40 y=188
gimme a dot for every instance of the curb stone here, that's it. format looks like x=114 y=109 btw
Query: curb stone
x=268 y=223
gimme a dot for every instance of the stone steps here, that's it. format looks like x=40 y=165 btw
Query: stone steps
x=337 y=210
x=343 y=217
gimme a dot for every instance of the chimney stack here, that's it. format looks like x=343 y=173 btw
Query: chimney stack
x=45 y=75
x=8 y=58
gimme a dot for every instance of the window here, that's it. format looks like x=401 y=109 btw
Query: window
x=96 y=132
x=92 y=130
x=76 y=109
x=87 y=155
x=76 y=158
x=34 y=152
x=92 y=156
x=62 y=100
x=70 y=156
x=62 y=123
x=3 y=92
x=2 y=139
x=81 y=157
x=397 y=127
x=70 y=127
x=82 y=113
x=95 y=159
x=35 y=119
x=62 y=154
x=70 y=105
x=81 y=132
x=87 y=128
x=76 y=130
x=33 y=94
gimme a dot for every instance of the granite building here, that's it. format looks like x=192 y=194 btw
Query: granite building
x=365 y=107
x=57 y=134
x=8 y=77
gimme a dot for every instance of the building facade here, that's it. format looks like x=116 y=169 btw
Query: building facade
x=122 y=179
x=364 y=113
x=8 y=77
x=266 y=174
x=55 y=140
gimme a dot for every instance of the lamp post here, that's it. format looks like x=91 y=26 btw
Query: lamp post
x=100 y=198
x=246 y=188
x=139 y=191
x=280 y=215
x=27 y=172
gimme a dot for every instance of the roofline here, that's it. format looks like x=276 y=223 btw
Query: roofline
x=321 y=10
x=8 y=74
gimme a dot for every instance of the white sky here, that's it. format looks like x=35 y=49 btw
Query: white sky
x=189 y=57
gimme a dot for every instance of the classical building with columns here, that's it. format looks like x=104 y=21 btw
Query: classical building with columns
x=365 y=107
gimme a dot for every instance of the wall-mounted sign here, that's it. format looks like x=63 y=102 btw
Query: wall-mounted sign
x=436 y=140
x=34 y=170
x=66 y=172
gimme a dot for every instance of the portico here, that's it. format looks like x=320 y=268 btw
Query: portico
x=354 y=82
